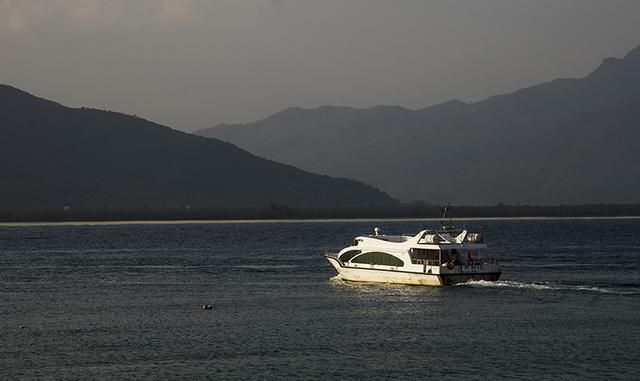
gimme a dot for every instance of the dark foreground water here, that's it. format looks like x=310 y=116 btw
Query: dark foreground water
x=124 y=302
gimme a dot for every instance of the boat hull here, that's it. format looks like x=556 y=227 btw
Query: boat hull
x=362 y=274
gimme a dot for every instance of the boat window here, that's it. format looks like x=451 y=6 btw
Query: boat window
x=377 y=258
x=426 y=254
x=355 y=242
x=345 y=257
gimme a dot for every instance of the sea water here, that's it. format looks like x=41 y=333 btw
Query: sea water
x=125 y=302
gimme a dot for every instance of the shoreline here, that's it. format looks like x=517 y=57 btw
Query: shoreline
x=298 y=220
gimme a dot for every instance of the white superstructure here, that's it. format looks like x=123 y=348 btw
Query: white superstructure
x=431 y=257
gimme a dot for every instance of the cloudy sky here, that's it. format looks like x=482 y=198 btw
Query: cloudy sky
x=192 y=64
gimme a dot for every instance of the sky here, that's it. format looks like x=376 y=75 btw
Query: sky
x=192 y=64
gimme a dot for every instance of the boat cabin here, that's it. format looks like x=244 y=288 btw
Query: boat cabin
x=428 y=247
x=437 y=257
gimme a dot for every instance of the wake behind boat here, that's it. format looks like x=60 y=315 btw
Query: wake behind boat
x=430 y=258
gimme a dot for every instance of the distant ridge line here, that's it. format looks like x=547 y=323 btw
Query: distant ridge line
x=566 y=141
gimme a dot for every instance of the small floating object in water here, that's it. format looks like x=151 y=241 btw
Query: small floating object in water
x=207 y=307
x=22 y=326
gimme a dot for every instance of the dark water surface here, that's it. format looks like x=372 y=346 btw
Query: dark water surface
x=124 y=302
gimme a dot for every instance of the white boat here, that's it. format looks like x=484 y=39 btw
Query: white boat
x=430 y=258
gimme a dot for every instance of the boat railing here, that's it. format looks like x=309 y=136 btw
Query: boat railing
x=486 y=261
x=433 y=262
x=428 y=262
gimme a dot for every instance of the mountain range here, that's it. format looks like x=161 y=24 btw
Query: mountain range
x=54 y=157
x=568 y=141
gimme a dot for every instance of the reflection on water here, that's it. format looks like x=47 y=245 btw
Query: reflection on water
x=387 y=289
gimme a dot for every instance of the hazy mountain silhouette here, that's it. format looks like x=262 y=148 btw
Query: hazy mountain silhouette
x=566 y=141
x=52 y=156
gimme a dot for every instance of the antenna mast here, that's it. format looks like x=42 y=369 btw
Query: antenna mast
x=444 y=215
